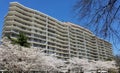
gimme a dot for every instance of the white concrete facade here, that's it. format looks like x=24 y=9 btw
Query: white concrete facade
x=64 y=39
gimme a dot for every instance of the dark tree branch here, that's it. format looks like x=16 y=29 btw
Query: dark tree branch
x=103 y=15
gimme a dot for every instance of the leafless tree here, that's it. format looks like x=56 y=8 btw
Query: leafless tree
x=101 y=16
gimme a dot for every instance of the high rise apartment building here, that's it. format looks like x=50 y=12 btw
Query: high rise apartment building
x=64 y=39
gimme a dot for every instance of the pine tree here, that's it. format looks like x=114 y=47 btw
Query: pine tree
x=21 y=40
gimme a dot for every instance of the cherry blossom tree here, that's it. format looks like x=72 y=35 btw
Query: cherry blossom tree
x=104 y=65
x=82 y=65
x=76 y=64
x=52 y=63
x=117 y=60
x=21 y=59
x=16 y=58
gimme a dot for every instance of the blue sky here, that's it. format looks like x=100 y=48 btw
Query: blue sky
x=59 y=9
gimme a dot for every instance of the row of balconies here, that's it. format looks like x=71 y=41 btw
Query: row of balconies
x=80 y=43
x=61 y=38
x=72 y=34
x=16 y=23
x=58 y=30
x=76 y=27
x=40 y=22
x=61 y=56
x=64 y=34
x=79 y=37
x=61 y=52
x=91 y=50
x=92 y=53
x=21 y=15
x=19 y=29
x=55 y=36
x=21 y=7
x=40 y=36
x=73 y=48
x=55 y=31
x=57 y=43
x=62 y=41
x=79 y=31
x=32 y=38
x=80 y=51
x=90 y=46
x=23 y=20
x=34 y=42
x=39 y=28
x=73 y=51
x=40 y=32
x=72 y=38
x=39 y=45
x=22 y=23
x=6 y=27
x=59 y=25
x=40 y=16
x=54 y=44
x=21 y=10
x=57 y=47
x=9 y=18
x=56 y=26
x=6 y=32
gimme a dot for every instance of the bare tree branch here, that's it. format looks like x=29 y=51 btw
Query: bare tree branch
x=103 y=15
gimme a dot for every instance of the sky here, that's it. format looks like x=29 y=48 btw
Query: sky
x=59 y=9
